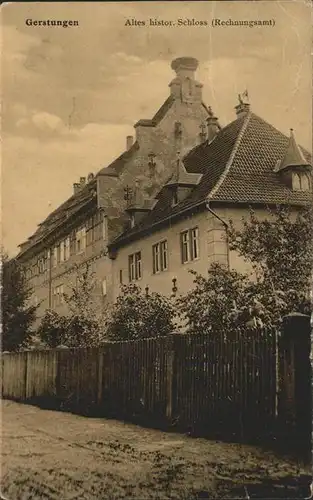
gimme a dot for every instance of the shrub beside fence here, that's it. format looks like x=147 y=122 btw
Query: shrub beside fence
x=192 y=382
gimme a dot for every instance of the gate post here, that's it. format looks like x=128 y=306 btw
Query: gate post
x=295 y=397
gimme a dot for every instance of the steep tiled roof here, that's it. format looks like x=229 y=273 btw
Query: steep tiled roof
x=251 y=177
x=62 y=213
x=237 y=166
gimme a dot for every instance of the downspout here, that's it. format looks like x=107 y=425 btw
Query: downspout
x=207 y=204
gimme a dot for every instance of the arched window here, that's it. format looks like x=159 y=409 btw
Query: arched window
x=296 y=184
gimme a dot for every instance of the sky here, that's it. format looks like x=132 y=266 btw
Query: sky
x=70 y=96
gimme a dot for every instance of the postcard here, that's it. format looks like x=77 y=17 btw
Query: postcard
x=157 y=249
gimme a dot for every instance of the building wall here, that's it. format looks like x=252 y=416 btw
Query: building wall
x=63 y=275
x=162 y=282
x=159 y=140
x=213 y=248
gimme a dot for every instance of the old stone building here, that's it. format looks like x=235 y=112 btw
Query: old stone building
x=248 y=163
x=80 y=229
x=161 y=208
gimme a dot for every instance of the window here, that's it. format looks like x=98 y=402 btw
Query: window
x=189 y=242
x=81 y=240
x=163 y=248
x=301 y=182
x=58 y=295
x=296 y=182
x=59 y=253
x=305 y=182
x=41 y=265
x=73 y=242
x=66 y=248
x=185 y=247
x=89 y=231
x=54 y=257
x=194 y=240
x=159 y=256
x=156 y=258
x=134 y=265
x=62 y=251
x=175 y=197
x=99 y=229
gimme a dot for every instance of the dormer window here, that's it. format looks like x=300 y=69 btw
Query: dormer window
x=305 y=182
x=301 y=182
x=182 y=182
x=296 y=182
x=175 y=198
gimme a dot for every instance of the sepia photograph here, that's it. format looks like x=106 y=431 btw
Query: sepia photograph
x=156 y=252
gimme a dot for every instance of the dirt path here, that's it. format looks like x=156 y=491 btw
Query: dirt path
x=53 y=455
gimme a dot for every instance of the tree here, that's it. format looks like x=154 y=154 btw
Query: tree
x=137 y=315
x=280 y=250
x=85 y=324
x=17 y=314
x=220 y=303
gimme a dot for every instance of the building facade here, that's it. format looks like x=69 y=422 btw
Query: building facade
x=162 y=207
x=78 y=232
x=247 y=164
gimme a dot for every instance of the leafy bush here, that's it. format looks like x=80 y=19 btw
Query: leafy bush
x=137 y=315
x=52 y=329
x=218 y=303
x=81 y=331
x=280 y=249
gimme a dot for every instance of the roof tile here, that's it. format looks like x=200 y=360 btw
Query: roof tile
x=245 y=152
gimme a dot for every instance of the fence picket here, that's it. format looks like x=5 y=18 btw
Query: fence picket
x=191 y=377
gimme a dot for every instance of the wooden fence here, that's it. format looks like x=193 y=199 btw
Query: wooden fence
x=187 y=381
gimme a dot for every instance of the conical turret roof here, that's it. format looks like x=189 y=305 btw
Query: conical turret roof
x=293 y=156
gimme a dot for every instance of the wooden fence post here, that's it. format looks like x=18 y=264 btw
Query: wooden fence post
x=169 y=376
x=100 y=376
x=25 y=377
x=295 y=401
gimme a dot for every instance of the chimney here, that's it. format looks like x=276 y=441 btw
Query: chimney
x=90 y=177
x=82 y=181
x=185 y=67
x=203 y=133
x=184 y=86
x=129 y=142
x=76 y=187
x=213 y=125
